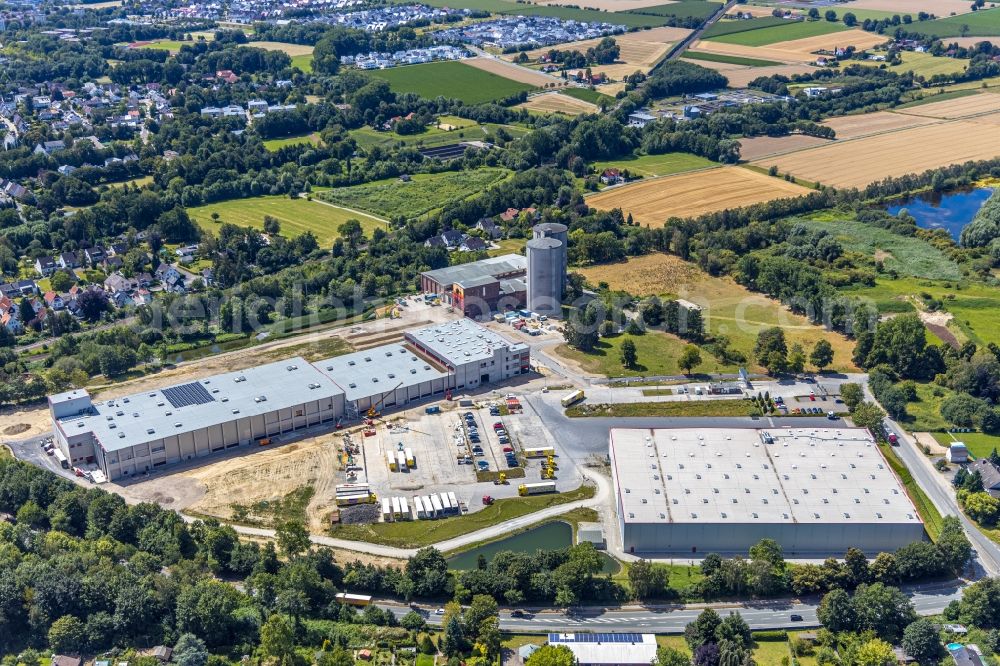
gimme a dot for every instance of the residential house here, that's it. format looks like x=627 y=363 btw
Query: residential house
x=118 y=283
x=489 y=227
x=120 y=299
x=112 y=264
x=46 y=266
x=473 y=244
x=452 y=238
x=965 y=655
x=640 y=119
x=186 y=253
x=226 y=75
x=63 y=660
x=12 y=189
x=612 y=177
x=171 y=278
x=95 y=255
x=117 y=249
x=68 y=260
x=990 y=474
x=49 y=147
x=141 y=297
x=54 y=300
x=66 y=169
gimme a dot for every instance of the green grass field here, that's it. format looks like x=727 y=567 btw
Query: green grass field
x=275 y=144
x=303 y=62
x=588 y=95
x=657 y=165
x=165 y=45
x=979 y=443
x=928 y=512
x=424 y=193
x=450 y=79
x=657 y=355
x=926 y=65
x=676 y=408
x=984 y=23
x=141 y=181
x=682 y=8
x=406 y=534
x=974 y=305
x=906 y=255
x=295 y=215
x=727 y=27
x=728 y=59
x=941 y=97
x=367 y=138
x=780 y=33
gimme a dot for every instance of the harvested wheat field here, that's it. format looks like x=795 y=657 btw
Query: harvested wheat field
x=511 y=71
x=966 y=42
x=553 y=102
x=863 y=124
x=740 y=78
x=796 y=50
x=291 y=49
x=756 y=147
x=962 y=107
x=862 y=161
x=940 y=8
x=270 y=475
x=652 y=201
x=639 y=50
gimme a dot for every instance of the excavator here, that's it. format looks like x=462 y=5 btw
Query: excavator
x=373 y=412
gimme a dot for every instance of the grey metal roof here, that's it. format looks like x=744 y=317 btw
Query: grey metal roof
x=462 y=341
x=491 y=267
x=378 y=370
x=149 y=416
x=713 y=475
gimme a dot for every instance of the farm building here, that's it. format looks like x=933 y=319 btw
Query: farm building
x=144 y=431
x=707 y=490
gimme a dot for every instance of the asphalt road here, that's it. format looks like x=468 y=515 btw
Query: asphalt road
x=771 y=614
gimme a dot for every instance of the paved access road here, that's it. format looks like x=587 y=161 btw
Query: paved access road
x=771 y=614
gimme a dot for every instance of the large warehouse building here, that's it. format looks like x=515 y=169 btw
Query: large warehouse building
x=814 y=491
x=144 y=431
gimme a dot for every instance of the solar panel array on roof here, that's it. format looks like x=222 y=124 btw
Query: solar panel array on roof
x=595 y=638
x=188 y=394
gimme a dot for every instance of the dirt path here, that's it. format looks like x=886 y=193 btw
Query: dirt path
x=937 y=323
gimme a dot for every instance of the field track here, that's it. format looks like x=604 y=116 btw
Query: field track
x=652 y=201
x=511 y=71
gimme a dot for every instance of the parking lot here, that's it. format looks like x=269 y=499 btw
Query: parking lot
x=449 y=447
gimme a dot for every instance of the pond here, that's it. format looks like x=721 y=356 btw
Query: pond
x=551 y=536
x=944 y=210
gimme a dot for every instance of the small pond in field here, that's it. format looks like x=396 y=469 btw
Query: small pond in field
x=551 y=536
x=944 y=210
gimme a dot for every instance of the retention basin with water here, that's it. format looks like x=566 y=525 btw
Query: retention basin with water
x=550 y=536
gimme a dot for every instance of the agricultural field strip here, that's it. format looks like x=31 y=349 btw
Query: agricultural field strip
x=823 y=158
x=964 y=108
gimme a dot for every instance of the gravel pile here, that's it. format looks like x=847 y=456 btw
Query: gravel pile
x=359 y=514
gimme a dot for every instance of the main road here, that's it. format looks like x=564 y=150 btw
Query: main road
x=671 y=619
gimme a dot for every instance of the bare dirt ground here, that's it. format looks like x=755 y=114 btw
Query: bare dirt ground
x=863 y=124
x=927 y=439
x=271 y=475
x=511 y=71
x=962 y=107
x=23 y=422
x=763 y=146
x=937 y=322
x=556 y=103
x=654 y=200
x=940 y=8
x=859 y=162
